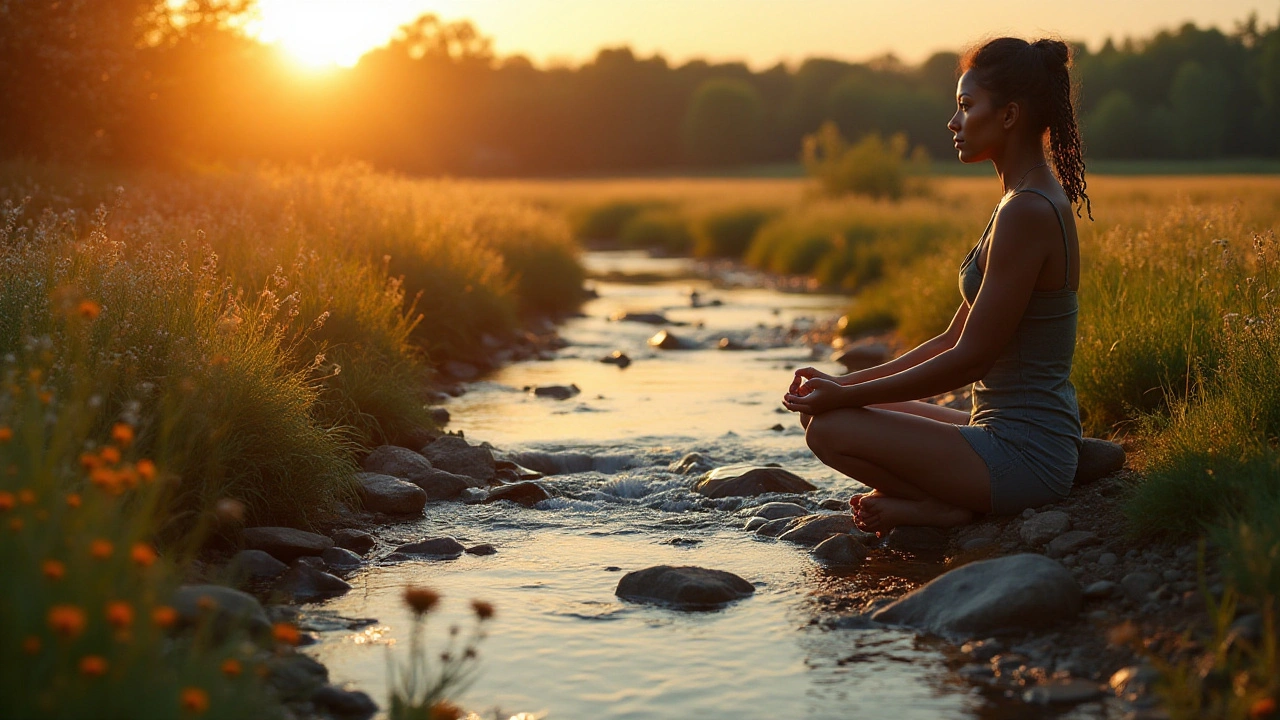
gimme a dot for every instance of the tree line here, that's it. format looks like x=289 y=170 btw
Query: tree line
x=143 y=82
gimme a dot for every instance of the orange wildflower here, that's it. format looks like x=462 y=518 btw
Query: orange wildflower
x=143 y=554
x=101 y=549
x=482 y=609
x=127 y=477
x=73 y=500
x=26 y=497
x=110 y=454
x=67 y=620
x=46 y=397
x=444 y=710
x=89 y=461
x=421 y=599
x=146 y=470
x=54 y=570
x=122 y=434
x=7 y=500
x=194 y=700
x=31 y=645
x=231 y=667
x=106 y=479
x=89 y=309
x=119 y=614
x=164 y=616
x=6 y=433
x=1264 y=708
x=286 y=633
x=93 y=665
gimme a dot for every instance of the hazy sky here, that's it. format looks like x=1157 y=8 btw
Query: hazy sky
x=760 y=32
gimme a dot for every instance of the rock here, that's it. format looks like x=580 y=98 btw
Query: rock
x=617 y=357
x=441 y=547
x=452 y=454
x=1098 y=459
x=689 y=587
x=1017 y=592
x=728 y=343
x=482 y=549
x=439 y=416
x=1137 y=585
x=225 y=608
x=1062 y=692
x=691 y=463
x=461 y=371
x=745 y=480
x=398 y=462
x=774 y=528
x=1043 y=527
x=285 y=544
x=507 y=471
x=390 y=495
x=444 y=485
x=813 y=529
x=303 y=583
x=556 y=392
x=341 y=559
x=917 y=539
x=254 y=565
x=775 y=510
x=295 y=676
x=638 y=317
x=862 y=355
x=1070 y=542
x=666 y=340
x=834 y=505
x=754 y=524
x=357 y=541
x=1107 y=559
x=977 y=544
x=840 y=551
x=344 y=703
x=1100 y=589
x=1134 y=680
x=527 y=493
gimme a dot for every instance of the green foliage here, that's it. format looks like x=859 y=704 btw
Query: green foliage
x=1196 y=96
x=727 y=233
x=420 y=688
x=663 y=230
x=724 y=123
x=870 y=166
x=605 y=221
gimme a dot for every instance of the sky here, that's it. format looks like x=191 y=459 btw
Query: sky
x=759 y=32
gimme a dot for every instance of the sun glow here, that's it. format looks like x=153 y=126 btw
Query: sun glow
x=329 y=33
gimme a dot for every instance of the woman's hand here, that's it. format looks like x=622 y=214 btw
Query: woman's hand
x=798 y=386
x=816 y=396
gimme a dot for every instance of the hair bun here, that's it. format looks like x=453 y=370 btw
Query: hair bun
x=1053 y=51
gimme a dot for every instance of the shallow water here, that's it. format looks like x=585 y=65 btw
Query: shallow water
x=562 y=643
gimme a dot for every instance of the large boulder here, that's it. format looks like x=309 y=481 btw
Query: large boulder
x=746 y=481
x=397 y=462
x=1014 y=593
x=527 y=493
x=813 y=529
x=455 y=455
x=223 y=607
x=390 y=495
x=1098 y=459
x=285 y=544
x=686 y=586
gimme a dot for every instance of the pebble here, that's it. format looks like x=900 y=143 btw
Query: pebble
x=754 y=524
x=1137 y=585
x=686 y=586
x=840 y=551
x=341 y=558
x=775 y=510
x=745 y=480
x=482 y=549
x=813 y=529
x=304 y=583
x=1040 y=528
x=978 y=543
x=441 y=547
x=1062 y=692
x=1099 y=589
x=834 y=505
x=1107 y=559
x=1070 y=542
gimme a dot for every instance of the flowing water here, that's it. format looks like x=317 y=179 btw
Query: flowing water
x=562 y=643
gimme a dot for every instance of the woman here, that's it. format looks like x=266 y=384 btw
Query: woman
x=1012 y=336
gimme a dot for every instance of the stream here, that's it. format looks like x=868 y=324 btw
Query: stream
x=562 y=645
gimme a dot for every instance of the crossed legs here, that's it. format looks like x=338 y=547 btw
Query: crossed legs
x=922 y=470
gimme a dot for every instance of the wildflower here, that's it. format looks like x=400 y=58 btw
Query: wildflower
x=7 y=501
x=1264 y=708
x=6 y=433
x=146 y=470
x=89 y=461
x=101 y=549
x=445 y=710
x=122 y=434
x=93 y=665
x=106 y=479
x=285 y=633
x=110 y=455
x=26 y=497
x=45 y=397
x=73 y=500
x=67 y=620
x=54 y=570
x=143 y=554
x=482 y=609
x=119 y=614
x=421 y=599
x=31 y=645
x=89 y=309
x=164 y=616
x=194 y=700
x=231 y=667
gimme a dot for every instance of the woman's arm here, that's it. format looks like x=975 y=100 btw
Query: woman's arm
x=924 y=351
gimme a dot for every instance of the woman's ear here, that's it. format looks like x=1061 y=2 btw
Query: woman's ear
x=1010 y=115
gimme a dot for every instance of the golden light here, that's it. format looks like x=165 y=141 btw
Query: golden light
x=329 y=33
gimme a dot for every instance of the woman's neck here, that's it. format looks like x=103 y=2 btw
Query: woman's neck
x=1017 y=165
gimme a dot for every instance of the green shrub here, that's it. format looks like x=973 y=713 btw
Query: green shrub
x=665 y=230
x=604 y=222
x=727 y=233
x=872 y=166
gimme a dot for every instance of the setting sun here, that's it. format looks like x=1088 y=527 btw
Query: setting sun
x=326 y=34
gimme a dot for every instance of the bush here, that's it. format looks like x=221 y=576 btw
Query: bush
x=727 y=233
x=664 y=230
x=872 y=166
x=604 y=222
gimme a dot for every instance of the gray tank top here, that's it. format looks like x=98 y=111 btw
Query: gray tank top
x=1027 y=398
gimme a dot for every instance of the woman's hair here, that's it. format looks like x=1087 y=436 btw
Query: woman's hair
x=1037 y=74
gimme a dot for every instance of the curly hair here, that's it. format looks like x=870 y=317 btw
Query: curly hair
x=1037 y=74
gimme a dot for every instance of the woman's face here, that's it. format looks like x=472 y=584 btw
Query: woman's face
x=978 y=126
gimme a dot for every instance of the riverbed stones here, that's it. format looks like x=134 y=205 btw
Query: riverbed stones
x=441 y=547
x=304 y=583
x=775 y=510
x=351 y=704
x=556 y=392
x=341 y=559
x=917 y=539
x=482 y=549
x=1070 y=542
x=844 y=551
x=746 y=481
x=1069 y=691
x=1043 y=527
x=223 y=607
x=754 y=523
x=357 y=541
x=390 y=495
x=773 y=528
x=862 y=355
x=1099 y=590
x=295 y=676
x=1137 y=585
x=617 y=357
x=453 y=454
x=254 y=565
x=691 y=463
x=667 y=340
x=648 y=318
x=1098 y=459
x=683 y=586
x=285 y=544
x=443 y=485
x=813 y=529
x=527 y=493
x=397 y=462
x=1017 y=592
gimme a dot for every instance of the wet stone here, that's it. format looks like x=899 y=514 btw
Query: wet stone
x=775 y=510
x=255 y=565
x=482 y=549
x=226 y=609
x=527 y=493
x=341 y=559
x=691 y=463
x=686 y=586
x=745 y=480
x=834 y=505
x=397 y=462
x=1062 y=692
x=840 y=551
x=617 y=357
x=556 y=392
x=285 y=544
x=441 y=547
x=813 y=529
x=344 y=703
x=303 y=583
x=390 y=495
x=357 y=541
x=666 y=340
x=755 y=523
x=453 y=454
x=917 y=539
x=774 y=528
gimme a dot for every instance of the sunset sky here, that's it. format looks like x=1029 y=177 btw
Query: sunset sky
x=760 y=32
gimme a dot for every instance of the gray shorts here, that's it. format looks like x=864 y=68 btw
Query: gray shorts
x=1014 y=484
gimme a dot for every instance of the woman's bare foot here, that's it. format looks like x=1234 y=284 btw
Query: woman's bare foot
x=881 y=513
x=855 y=502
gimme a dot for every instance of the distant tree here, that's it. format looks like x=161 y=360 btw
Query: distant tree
x=872 y=166
x=724 y=122
x=1116 y=127
x=1198 y=97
